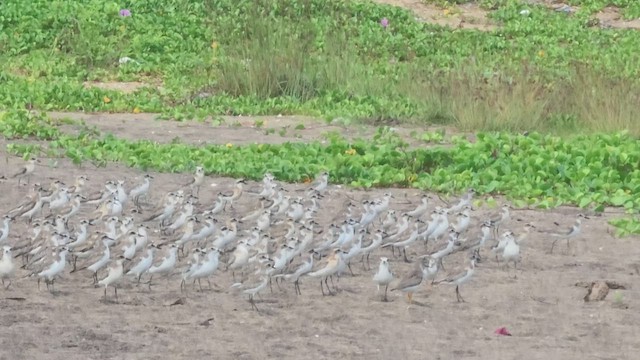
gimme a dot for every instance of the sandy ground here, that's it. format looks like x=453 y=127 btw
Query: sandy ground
x=471 y=16
x=541 y=306
x=237 y=130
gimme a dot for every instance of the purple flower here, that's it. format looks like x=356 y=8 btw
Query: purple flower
x=125 y=13
x=384 y=22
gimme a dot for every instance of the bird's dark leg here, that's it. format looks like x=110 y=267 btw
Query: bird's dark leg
x=553 y=245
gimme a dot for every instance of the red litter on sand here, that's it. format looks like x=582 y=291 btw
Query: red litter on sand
x=502 y=331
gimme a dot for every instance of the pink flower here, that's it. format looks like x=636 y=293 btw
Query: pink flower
x=384 y=22
x=125 y=13
x=502 y=331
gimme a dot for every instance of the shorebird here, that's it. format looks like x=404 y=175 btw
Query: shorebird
x=144 y=264
x=463 y=220
x=569 y=234
x=239 y=258
x=167 y=264
x=4 y=231
x=227 y=235
x=54 y=270
x=60 y=201
x=476 y=245
x=500 y=218
x=331 y=267
x=499 y=246
x=192 y=265
x=28 y=201
x=7 y=267
x=375 y=243
x=207 y=230
x=303 y=269
x=101 y=196
x=30 y=210
x=383 y=277
x=129 y=249
x=255 y=289
x=78 y=186
x=511 y=251
x=196 y=182
x=390 y=220
x=102 y=261
x=452 y=242
x=465 y=200
x=75 y=207
x=461 y=278
x=115 y=274
x=382 y=205
x=320 y=184
x=404 y=244
x=181 y=219
x=401 y=227
x=411 y=282
x=26 y=170
x=81 y=236
x=207 y=268
x=430 y=271
x=141 y=190
x=166 y=212
x=422 y=208
x=437 y=227
x=231 y=196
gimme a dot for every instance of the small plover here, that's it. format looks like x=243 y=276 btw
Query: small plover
x=383 y=277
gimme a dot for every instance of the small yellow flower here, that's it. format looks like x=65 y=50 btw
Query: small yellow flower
x=106 y=99
x=214 y=45
x=541 y=53
x=136 y=110
x=350 y=152
x=446 y=11
x=229 y=145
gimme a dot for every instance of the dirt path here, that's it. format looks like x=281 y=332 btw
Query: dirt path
x=237 y=130
x=471 y=16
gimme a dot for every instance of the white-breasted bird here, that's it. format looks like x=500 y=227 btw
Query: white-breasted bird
x=383 y=277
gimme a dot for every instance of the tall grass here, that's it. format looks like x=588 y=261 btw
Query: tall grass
x=273 y=63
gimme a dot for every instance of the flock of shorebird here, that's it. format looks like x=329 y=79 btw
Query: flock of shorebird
x=178 y=237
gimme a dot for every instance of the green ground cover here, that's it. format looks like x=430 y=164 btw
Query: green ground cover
x=546 y=71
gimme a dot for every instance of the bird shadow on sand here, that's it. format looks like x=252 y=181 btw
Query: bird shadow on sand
x=109 y=301
x=57 y=293
x=418 y=303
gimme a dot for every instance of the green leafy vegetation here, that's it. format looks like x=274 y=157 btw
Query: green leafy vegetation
x=543 y=171
x=630 y=9
x=547 y=71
